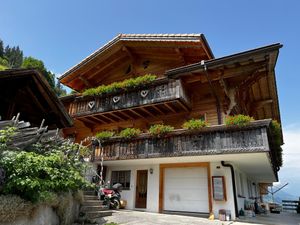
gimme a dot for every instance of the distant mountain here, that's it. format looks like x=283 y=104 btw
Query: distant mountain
x=279 y=196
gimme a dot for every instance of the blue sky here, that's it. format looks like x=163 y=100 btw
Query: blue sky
x=61 y=33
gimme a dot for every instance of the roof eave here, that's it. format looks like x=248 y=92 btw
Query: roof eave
x=218 y=61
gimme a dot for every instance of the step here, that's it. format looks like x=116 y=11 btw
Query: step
x=90 y=193
x=93 y=208
x=90 y=197
x=92 y=203
x=98 y=214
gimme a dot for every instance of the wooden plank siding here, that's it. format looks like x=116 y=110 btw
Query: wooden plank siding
x=207 y=141
x=161 y=91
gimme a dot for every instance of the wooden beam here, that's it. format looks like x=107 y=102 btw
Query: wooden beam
x=180 y=55
x=147 y=111
x=124 y=114
x=108 y=118
x=158 y=109
x=114 y=115
x=96 y=118
x=136 y=113
x=216 y=74
x=169 y=107
x=183 y=105
x=85 y=81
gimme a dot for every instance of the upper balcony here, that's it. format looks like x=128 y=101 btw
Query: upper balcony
x=162 y=96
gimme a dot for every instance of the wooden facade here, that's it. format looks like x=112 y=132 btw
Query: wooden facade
x=191 y=84
x=206 y=141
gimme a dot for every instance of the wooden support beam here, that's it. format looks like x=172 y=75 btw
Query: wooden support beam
x=125 y=114
x=106 y=117
x=136 y=113
x=180 y=55
x=183 y=106
x=96 y=118
x=147 y=111
x=169 y=107
x=158 y=109
x=115 y=116
x=132 y=59
x=85 y=81
x=86 y=122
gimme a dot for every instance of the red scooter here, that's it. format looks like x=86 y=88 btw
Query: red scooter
x=111 y=196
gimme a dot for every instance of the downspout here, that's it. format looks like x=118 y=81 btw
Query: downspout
x=233 y=187
x=218 y=105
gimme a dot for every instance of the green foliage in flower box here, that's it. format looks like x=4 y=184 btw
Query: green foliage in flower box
x=238 y=120
x=160 y=129
x=123 y=85
x=130 y=132
x=104 y=135
x=194 y=124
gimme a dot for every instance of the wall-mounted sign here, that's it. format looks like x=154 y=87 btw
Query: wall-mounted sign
x=219 y=190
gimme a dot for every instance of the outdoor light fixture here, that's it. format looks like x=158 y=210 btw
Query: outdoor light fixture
x=151 y=171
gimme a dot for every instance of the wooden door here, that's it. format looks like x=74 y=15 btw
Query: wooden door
x=141 y=189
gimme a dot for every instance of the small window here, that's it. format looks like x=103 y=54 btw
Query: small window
x=122 y=177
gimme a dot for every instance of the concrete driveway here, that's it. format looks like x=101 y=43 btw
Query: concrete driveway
x=128 y=217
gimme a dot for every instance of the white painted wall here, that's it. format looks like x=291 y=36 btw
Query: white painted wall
x=153 y=185
x=218 y=170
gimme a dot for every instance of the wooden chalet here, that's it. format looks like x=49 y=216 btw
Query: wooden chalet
x=221 y=166
x=27 y=92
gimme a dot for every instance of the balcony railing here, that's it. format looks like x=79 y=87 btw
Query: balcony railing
x=207 y=141
x=161 y=91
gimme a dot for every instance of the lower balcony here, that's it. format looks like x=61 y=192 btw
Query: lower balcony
x=219 y=139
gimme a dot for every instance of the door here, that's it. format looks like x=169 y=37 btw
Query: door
x=186 y=190
x=141 y=189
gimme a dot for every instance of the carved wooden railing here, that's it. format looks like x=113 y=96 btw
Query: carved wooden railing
x=207 y=141
x=158 y=91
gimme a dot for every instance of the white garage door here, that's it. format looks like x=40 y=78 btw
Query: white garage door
x=185 y=189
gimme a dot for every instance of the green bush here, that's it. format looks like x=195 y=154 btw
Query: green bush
x=194 y=124
x=104 y=135
x=130 y=132
x=123 y=85
x=43 y=170
x=34 y=176
x=238 y=120
x=160 y=129
x=275 y=128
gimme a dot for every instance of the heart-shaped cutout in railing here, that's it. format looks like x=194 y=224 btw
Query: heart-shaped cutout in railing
x=144 y=93
x=91 y=104
x=116 y=99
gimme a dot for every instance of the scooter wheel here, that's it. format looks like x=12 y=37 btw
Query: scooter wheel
x=115 y=204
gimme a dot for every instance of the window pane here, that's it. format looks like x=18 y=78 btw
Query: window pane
x=122 y=177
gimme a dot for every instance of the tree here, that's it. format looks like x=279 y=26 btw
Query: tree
x=59 y=90
x=1 y=49
x=14 y=56
x=33 y=63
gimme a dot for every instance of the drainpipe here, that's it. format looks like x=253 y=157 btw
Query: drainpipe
x=218 y=105
x=233 y=186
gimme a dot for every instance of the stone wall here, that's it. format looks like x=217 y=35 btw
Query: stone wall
x=64 y=214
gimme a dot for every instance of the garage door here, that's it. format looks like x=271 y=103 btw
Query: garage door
x=186 y=189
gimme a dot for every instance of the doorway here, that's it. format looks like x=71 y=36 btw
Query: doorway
x=141 y=189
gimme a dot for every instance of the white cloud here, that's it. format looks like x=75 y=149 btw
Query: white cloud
x=290 y=172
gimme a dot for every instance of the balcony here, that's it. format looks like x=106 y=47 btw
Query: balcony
x=161 y=97
x=219 y=139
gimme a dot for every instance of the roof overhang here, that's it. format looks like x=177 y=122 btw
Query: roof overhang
x=116 y=45
x=28 y=93
x=270 y=52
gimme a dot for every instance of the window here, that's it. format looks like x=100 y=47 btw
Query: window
x=122 y=177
